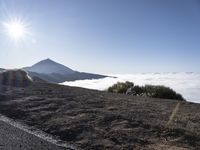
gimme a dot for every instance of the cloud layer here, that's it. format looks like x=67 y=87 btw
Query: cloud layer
x=188 y=84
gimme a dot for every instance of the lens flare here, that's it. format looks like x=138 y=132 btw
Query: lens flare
x=16 y=29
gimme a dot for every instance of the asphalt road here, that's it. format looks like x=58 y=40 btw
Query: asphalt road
x=14 y=138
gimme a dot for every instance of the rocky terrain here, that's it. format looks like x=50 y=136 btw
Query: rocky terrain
x=92 y=119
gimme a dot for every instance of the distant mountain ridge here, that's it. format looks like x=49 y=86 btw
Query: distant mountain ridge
x=54 y=72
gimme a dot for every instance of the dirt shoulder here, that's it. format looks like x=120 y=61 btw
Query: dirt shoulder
x=99 y=120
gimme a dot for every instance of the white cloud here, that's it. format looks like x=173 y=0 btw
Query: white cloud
x=188 y=84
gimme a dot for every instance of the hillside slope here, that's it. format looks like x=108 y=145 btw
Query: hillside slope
x=59 y=78
x=17 y=78
x=92 y=119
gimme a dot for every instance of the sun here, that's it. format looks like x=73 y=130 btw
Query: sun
x=16 y=29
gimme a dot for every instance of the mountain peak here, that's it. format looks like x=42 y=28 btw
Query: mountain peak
x=51 y=71
x=48 y=66
x=48 y=60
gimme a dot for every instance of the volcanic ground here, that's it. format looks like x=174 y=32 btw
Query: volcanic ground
x=90 y=119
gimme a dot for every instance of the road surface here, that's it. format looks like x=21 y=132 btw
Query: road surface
x=14 y=138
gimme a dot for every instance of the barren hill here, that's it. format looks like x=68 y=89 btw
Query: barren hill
x=92 y=119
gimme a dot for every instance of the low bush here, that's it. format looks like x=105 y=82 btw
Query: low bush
x=147 y=90
x=162 y=92
x=120 y=87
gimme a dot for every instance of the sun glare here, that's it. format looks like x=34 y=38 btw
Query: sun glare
x=16 y=29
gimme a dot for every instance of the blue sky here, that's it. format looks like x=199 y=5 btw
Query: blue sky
x=105 y=36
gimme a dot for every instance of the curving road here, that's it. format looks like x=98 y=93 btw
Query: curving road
x=14 y=138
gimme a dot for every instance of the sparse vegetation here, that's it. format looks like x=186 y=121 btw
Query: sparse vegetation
x=147 y=90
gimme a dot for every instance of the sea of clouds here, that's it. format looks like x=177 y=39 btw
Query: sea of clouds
x=187 y=84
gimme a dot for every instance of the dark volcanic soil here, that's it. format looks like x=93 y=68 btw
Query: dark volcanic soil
x=99 y=120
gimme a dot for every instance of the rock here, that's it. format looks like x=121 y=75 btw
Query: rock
x=130 y=91
x=16 y=78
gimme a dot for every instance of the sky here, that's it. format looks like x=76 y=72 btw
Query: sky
x=104 y=36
